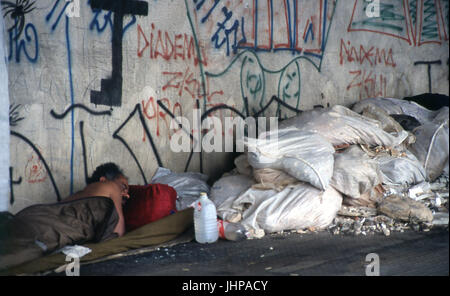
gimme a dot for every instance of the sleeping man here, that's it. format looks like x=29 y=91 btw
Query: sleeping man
x=109 y=181
x=93 y=214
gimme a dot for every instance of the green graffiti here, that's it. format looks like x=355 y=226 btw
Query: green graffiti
x=429 y=28
x=290 y=85
x=387 y=19
x=253 y=79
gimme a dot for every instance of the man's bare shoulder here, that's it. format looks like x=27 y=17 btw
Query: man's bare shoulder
x=95 y=189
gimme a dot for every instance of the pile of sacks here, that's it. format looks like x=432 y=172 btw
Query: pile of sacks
x=301 y=175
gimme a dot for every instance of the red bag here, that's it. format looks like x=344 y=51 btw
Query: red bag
x=148 y=203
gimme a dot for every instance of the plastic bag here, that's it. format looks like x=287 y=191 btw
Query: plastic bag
x=303 y=155
x=355 y=173
x=397 y=106
x=388 y=124
x=296 y=207
x=242 y=165
x=401 y=170
x=431 y=148
x=442 y=116
x=340 y=125
x=272 y=179
x=229 y=187
x=187 y=185
x=389 y=106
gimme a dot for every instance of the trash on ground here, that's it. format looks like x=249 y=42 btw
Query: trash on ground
x=440 y=218
x=304 y=155
x=405 y=209
x=431 y=148
x=340 y=125
x=380 y=167
x=229 y=186
x=187 y=185
x=355 y=173
x=296 y=207
x=75 y=251
x=231 y=231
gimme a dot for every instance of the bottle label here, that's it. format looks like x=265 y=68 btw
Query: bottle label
x=199 y=206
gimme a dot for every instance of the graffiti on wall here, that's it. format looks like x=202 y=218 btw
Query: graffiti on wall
x=428 y=64
x=267 y=25
x=416 y=22
x=21 y=44
x=366 y=79
x=247 y=35
x=111 y=88
x=261 y=28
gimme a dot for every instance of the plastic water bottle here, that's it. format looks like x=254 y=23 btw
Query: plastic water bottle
x=231 y=231
x=205 y=220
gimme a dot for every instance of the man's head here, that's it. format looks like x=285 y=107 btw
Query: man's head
x=110 y=172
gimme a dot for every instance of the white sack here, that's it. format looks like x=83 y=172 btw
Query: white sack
x=242 y=165
x=296 y=207
x=355 y=173
x=229 y=187
x=304 y=155
x=340 y=125
x=401 y=170
x=272 y=179
x=442 y=116
x=432 y=148
x=398 y=106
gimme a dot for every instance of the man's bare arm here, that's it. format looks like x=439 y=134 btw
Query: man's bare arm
x=120 y=227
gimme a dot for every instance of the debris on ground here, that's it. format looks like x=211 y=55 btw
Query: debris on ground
x=405 y=209
x=364 y=221
x=349 y=171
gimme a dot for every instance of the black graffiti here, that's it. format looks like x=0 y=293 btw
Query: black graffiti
x=83 y=143
x=428 y=63
x=62 y=115
x=14 y=115
x=279 y=102
x=110 y=93
x=17 y=12
x=83 y=146
x=273 y=100
x=11 y=185
x=22 y=137
x=138 y=110
x=161 y=104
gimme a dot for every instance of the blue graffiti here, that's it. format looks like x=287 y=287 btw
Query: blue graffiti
x=69 y=62
x=95 y=23
x=21 y=46
x=205 y=18
x=229 y=31
x=100 y=25
x=50 y=14
x=219 y=42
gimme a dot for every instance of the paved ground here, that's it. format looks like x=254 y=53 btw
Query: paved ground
x=408 y=253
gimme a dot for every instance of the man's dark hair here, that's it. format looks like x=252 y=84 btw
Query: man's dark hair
x=108 y=170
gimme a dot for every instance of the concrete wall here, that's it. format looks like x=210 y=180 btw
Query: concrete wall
x=96 y=85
